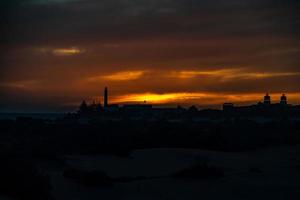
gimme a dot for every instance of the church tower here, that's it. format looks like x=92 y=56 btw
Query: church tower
x=105 y=97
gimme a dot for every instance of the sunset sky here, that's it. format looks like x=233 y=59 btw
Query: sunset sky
x=55 y=53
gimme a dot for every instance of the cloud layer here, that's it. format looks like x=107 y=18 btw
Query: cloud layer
x=61 y=51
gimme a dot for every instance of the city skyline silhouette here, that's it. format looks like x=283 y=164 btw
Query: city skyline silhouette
x=103 y=100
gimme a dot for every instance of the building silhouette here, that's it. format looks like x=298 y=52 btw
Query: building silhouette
x=283 y=100
x=147 y=111
x=267 y=99
x=105 y=97
x=83 y=108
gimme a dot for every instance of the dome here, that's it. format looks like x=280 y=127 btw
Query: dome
x=283 y=98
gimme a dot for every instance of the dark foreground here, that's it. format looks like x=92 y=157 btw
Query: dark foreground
x=144 y=159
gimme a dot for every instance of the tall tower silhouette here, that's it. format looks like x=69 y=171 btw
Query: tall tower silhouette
x=105 y=97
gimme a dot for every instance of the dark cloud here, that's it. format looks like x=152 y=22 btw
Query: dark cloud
x=88 y=20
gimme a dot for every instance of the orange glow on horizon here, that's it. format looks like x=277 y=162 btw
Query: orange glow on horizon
x=199 y=98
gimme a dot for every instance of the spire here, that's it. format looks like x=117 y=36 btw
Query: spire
x=105 y=97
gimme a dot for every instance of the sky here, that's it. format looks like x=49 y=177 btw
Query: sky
x=55 y=53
